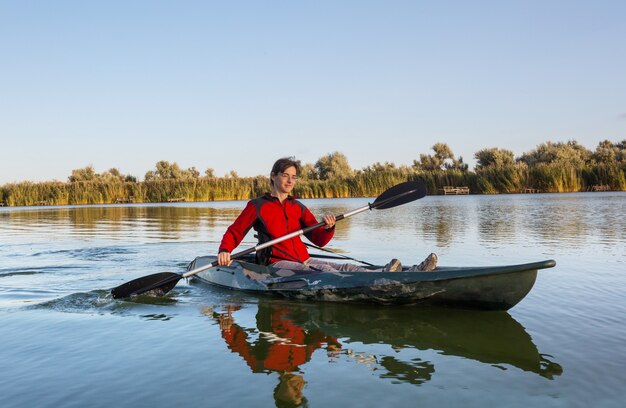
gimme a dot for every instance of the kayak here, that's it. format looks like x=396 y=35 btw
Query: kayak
x=479 y=287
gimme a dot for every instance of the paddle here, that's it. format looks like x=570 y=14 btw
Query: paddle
x=163 y=282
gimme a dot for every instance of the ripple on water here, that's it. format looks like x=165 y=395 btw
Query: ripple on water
x=90 y=253
x=101 y=302
x=13 y=272
x=35 y=270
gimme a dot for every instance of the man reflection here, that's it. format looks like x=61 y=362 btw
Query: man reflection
x=282 y=346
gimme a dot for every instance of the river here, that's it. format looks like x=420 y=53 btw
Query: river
x=67 y=343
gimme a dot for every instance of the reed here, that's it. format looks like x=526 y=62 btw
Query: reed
x=367 y=183
x=609 y=174
x=435 y=180
x=553 y=178
x=30 y=194
x=511 y=178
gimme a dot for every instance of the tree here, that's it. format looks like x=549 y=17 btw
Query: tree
x=443 y=152
x=333 y=166
x=443 y=159
x=379 y=167
x=608 y=152
x=457 y=164
x=191 y=172
x=494 y=157
x=569 y=153
x=150 y=176
x=424 y=163
x=84 y=174
x=307 y=172
x=112 y=175
x=209 y=173
x=166 y=170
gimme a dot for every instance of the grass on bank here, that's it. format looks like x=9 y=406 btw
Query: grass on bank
x=490 y=180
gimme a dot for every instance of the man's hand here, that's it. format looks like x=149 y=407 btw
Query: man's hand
x=223 y=259
x=330 y=221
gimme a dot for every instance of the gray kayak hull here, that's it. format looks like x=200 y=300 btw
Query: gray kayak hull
x=485 y=288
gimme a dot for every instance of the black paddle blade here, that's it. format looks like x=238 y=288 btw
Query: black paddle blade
x=400 y=194
x=158 y=283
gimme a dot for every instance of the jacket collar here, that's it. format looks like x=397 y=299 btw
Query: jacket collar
x=270 y=197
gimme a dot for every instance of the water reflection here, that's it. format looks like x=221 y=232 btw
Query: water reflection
x=493 y=338
x=286 y=335
x=444 y=223
x=160 y=220
x=277 y=344
x=495 y=222
x=113 y=221
x=572 y=219
x=552 y=219
x=556 y=220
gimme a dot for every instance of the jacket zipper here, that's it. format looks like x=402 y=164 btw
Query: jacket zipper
x=293 y=244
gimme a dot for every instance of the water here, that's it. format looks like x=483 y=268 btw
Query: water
x=66 y=343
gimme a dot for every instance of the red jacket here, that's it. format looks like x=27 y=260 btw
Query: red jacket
x=271 y=220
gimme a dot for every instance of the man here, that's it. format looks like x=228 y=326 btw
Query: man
x=276 y=214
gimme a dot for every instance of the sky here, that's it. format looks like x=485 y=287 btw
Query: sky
x=234 y=85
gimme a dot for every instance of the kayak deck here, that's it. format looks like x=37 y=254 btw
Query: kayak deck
x=488 y=288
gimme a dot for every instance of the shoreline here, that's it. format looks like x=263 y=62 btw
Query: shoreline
x=185 y=202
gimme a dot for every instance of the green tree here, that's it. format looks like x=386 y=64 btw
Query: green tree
x=443 y=152
x=149 y=176
x=443 y=159
x=333 y=166
x=457 y=164
x=307 y=172
x=379 y=167
x=608 y=152
x=191 y=172
x=424 y=163
x=494 y=157
x=570 y=153
x=85 y=174
x=166 y=171
x=112 y=175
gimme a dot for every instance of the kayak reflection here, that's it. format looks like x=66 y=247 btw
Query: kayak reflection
x=287 y=334
x=493 y=338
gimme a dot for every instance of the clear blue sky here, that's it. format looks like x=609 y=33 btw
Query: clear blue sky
x=233 y=85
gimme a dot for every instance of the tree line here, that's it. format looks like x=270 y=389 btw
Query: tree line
x=551 y=167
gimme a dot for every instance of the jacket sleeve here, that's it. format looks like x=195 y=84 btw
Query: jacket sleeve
x=319 y=236
x=238 y=230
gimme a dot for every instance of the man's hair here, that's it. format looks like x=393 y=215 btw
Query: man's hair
x=283 y=164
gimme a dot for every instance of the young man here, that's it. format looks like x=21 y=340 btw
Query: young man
x=276 y=214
